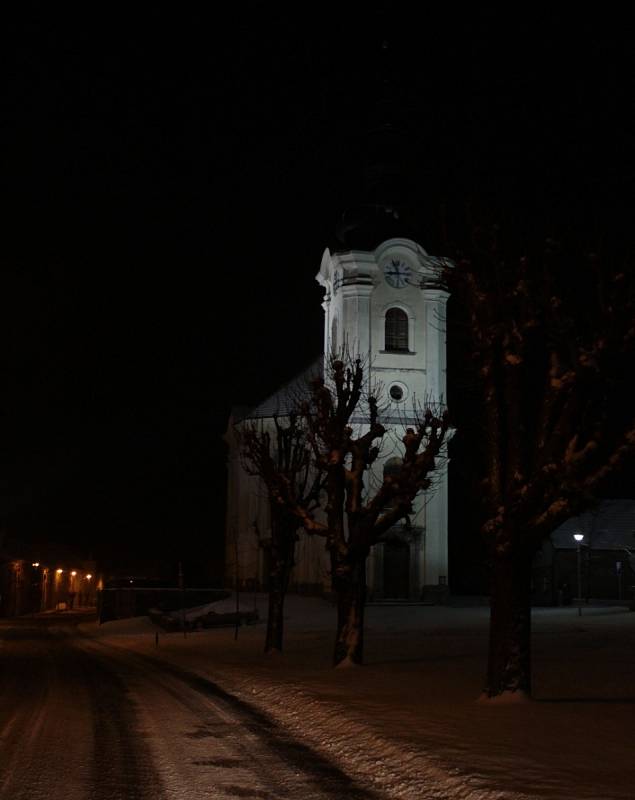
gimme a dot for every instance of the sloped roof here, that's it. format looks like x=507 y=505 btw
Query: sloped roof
x=284 y=399
x=610 y=527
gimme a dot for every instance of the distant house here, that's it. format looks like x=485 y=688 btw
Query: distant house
x=607 y=557
x=44 y=578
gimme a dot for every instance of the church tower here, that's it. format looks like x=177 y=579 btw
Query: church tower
x=388 y=305
x=384 y=299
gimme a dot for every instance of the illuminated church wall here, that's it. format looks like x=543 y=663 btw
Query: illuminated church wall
x=388 y=306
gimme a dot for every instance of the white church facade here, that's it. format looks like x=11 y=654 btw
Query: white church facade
x=389 y=306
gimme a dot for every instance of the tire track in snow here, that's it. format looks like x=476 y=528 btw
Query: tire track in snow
x=273 y=763
x=122 y=767
x=47 y=708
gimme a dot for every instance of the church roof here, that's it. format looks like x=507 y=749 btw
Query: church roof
x=284 y=399
x=610 y=527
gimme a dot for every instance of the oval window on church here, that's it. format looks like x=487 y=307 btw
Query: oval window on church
x=396 y=331
x=398 y=392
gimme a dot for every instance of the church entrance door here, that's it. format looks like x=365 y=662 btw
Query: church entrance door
x=396 y=570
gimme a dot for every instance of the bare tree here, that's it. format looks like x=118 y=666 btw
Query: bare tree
x=551 y=339
x=352 y=519
x=281 y=454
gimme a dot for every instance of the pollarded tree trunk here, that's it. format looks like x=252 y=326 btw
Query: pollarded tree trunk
x=349 y=582
x=275 y=617
x=282 y=559
x=509 y=663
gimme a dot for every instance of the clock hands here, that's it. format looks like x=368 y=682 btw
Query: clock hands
x=397 y=273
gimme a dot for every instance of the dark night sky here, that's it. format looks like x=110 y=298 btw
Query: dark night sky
x=172 y=179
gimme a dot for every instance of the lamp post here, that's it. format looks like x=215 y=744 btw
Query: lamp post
x=578 y=538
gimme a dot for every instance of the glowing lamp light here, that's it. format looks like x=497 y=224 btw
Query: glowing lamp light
x=35 y=564
x=73 y=573
x=59 y=571
x=578 y=537
x=89 y=576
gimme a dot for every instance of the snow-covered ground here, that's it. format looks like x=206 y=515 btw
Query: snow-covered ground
x=407 y=723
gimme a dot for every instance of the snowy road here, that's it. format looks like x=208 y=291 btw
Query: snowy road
x=82 y=721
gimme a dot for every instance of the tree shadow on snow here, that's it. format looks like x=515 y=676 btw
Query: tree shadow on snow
x=612 y=700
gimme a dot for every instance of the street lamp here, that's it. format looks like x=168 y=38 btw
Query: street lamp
x=578 y=538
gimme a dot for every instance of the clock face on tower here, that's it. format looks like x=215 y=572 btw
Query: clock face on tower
x=397 y=273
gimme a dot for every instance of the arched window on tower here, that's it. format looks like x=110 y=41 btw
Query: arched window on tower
x=396 y=330
x=334 y=335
